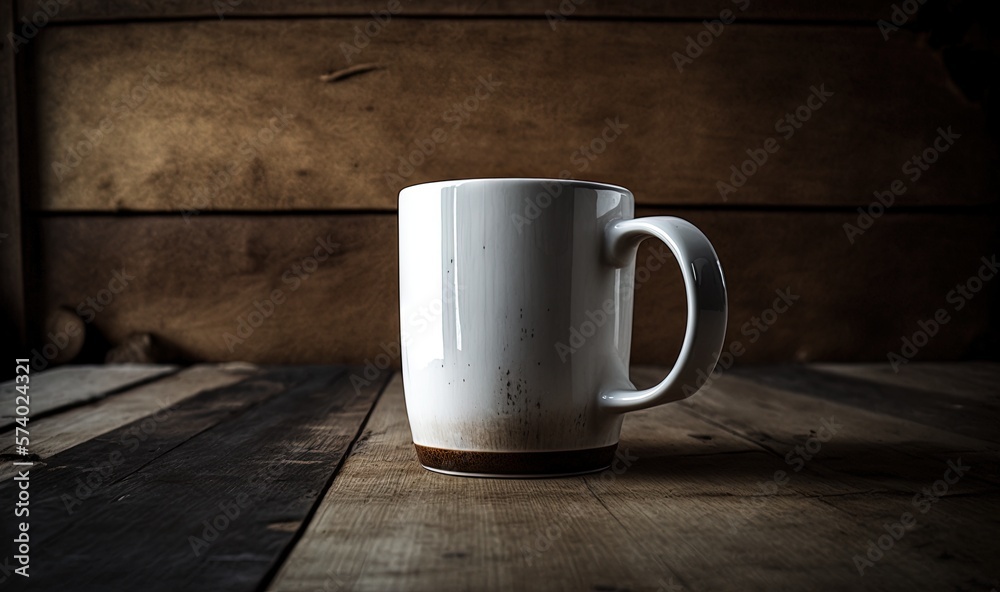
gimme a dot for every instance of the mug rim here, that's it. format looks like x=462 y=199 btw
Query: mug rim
x=574 y=182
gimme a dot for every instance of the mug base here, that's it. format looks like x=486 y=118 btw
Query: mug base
x=516 y=465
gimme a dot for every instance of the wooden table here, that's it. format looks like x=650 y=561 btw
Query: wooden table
x=236 y=477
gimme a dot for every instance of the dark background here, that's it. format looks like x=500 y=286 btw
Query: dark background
x=202 y=151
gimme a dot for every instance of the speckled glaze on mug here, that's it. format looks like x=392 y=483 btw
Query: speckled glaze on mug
x=516 y=320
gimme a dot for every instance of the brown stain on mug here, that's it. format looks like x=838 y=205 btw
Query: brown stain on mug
x=562 y=462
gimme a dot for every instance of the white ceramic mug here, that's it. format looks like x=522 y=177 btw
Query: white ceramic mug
x=516 y=318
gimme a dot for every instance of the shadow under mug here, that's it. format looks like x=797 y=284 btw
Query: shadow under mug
x=516 y=300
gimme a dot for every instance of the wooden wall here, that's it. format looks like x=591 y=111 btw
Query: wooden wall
x=201 y=158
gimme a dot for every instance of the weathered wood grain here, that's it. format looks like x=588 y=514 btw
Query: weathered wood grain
x=740 y=393
x=196 y=132
x=884 y=447
x=131 y=447
x=692 y=510
x=868 y=449
x=386 y=523
x=82 y=10
x=12 y=305
x=71 y=386
x=341 y=308
x=857 y=301
x=52 y=435
x=978 y=381
x=929 y=408
x=901 y=458
x=347 y=310
x=274 y=442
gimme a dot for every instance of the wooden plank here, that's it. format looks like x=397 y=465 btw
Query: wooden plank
x=899 y=454
x=52 y=435
x=274 y=443
x=234 y=115
x=348 y=307
x=953 y=538
x=684 y=9
x=12 y=305
x=387 y=524
x=933 y=409
x=972 y=380
x=69 y=386
x=898 y=458
x=132 y=448
x=687 y=513
x=887 y=451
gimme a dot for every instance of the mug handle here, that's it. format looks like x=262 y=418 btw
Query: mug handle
x=706 y=300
